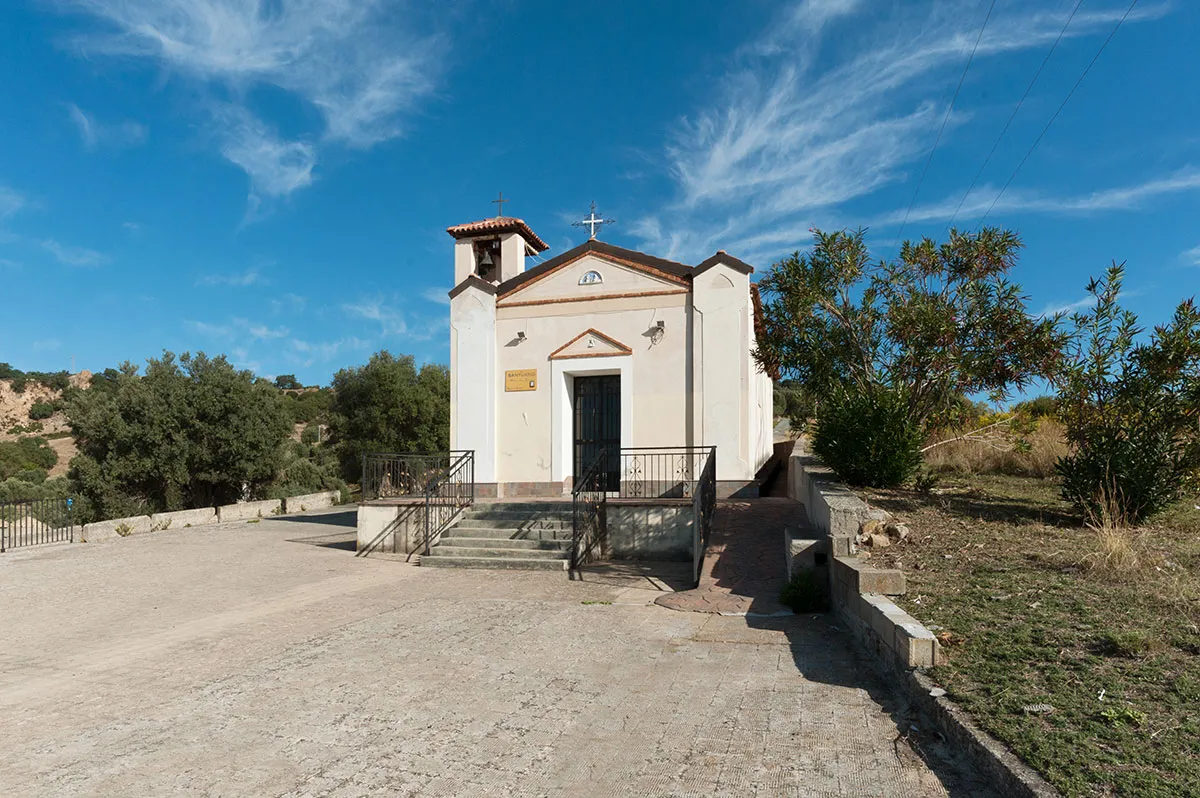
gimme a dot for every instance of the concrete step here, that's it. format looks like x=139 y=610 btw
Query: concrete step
x=520 y=544
x=516 y=522
x=497 y=552
x=522 y=507
x=469 y=530
x=505 y=563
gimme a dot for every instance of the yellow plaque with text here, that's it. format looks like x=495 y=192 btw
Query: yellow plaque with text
x=520 y=380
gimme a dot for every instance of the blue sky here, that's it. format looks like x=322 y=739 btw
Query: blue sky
x=273 y=179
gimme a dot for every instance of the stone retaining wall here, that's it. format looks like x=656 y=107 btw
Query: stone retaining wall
x=311 y=501
x=652 y=530
x=204 y=516
x=248 y=510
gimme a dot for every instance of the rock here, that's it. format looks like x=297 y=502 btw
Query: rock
x=897 y=532
x=878 y=541
x=871 y=527
x=937 y=692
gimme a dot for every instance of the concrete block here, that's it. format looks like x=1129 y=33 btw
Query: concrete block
x=310 y=501
x=652 y=531
x=867 y=579
x=915 y=645
x=180 y=519
x=116 y=528
x=247 y=510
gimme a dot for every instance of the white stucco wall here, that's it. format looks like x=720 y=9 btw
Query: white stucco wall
x=616 y=279
x=655 y=380
x=473 y=378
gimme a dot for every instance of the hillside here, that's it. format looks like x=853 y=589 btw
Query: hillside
x=15 y=422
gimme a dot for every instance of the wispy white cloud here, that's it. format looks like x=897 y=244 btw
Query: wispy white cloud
x=133 y=228
x=362 y=64
x=210 y=330
x=10 y=202
x=75 y=256
x=288 y=303
x=791 y=137
x=390 y=319
x=440 y=296
x=1118 y=198
x=10 y=265
x=237 y=280
x=1192 y=256
x=96 y=134
x=261 y=332
x=1067 y=307
x=308 y=354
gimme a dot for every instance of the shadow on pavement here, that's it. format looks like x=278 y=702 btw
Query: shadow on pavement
x=346 y=518
x=748 y=546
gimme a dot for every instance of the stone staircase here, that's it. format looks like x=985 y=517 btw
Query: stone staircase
x=520 y=535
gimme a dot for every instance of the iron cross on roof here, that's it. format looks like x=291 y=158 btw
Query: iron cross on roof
x=592 y=222
x=500 y=205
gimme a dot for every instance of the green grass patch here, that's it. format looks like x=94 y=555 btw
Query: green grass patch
x=1003 y=564
x=604 y=603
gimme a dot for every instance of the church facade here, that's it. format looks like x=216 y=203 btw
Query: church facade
x=600 y=348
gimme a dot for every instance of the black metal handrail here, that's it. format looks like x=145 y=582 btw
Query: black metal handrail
x=387 y=475
x=31 y=523
x=704 y=504
x=446 y=493
x=589 y=512
x=661 y=472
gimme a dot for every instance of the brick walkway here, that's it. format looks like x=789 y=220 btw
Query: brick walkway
x=744 y=569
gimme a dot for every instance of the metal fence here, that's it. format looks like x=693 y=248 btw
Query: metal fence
x=661 y=472
x=33 y=523
x=704 y=504
x=589 y=516
x=400 y=476
x=446 y=494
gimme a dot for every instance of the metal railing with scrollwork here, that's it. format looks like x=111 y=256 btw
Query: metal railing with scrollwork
x=589 y=516
x=661 y=472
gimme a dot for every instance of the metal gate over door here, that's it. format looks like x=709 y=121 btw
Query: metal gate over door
x=598 y=425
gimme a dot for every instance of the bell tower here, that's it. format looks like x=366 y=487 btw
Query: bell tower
x=494 y=250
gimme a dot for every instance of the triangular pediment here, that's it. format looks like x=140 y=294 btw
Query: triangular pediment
x=595 y=276
x=591 y=343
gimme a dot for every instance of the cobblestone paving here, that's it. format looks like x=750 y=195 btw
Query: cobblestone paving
x=744 y=568
x=261 y=659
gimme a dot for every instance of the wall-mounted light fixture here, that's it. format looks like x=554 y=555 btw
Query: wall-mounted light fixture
x=658 y=331
x=521 y=335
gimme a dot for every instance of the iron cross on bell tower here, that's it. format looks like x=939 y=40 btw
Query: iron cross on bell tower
x=592 y=222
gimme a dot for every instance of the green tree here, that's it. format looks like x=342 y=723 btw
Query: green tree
x=24 y=454
x=940 y=323
x=190 y=433
x=286 y=382
x=1131 y=410
x=389 y=405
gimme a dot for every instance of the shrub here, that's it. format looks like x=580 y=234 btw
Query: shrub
x=26 y=453
x=34 y=475
x=310 y=434
x=1038 y=407
x=805 y=592
x=43 y=410
x=869 y=438
x=1129 y=409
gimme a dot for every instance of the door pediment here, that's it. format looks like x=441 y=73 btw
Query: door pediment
x=591 y=343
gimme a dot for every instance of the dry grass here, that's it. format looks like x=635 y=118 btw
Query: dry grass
x=1046 y=445
x=1101 y=623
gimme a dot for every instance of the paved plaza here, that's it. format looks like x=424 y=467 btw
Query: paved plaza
x=266 y=659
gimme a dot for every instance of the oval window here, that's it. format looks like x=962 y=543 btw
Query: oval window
x=591 y=277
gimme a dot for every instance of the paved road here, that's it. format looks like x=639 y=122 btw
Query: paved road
x=266 y=659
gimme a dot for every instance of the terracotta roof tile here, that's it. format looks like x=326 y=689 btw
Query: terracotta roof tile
x=500 y=224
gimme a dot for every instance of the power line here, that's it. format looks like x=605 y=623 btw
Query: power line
x=945 y=119
x=1013 y=116
x=1067 y=99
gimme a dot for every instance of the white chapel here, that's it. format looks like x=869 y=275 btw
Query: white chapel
x=599 y=349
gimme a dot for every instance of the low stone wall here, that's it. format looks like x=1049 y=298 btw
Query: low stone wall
x=311 y=501
x=390 y=528
x=652 y=530
x=901 y=644
x=116 y=528
x=181 y=519
x=248 y=510
x=833 y=509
